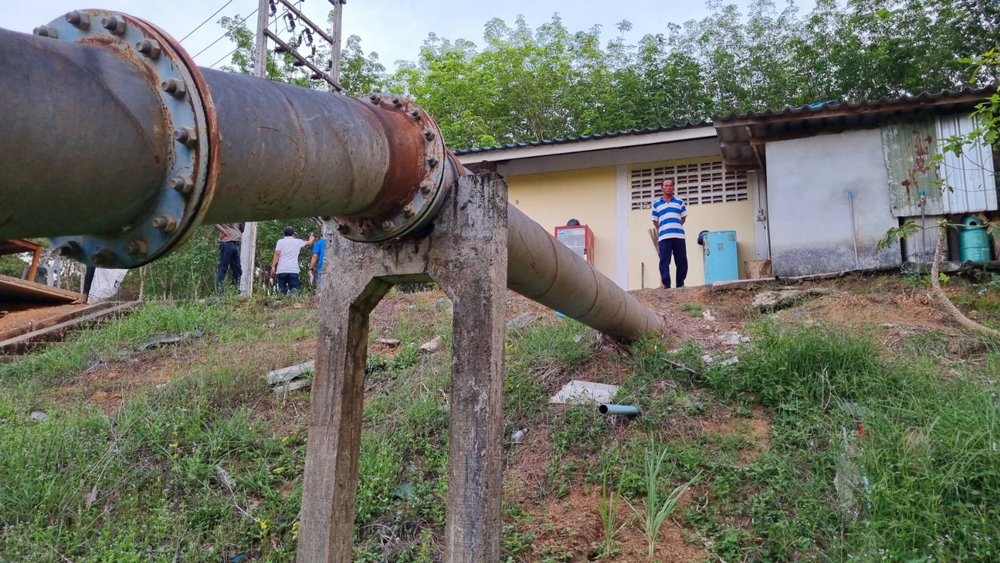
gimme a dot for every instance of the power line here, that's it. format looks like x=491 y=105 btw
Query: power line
x=224 y=34
x=206 y=20
x=224 y=58
x=252 y=36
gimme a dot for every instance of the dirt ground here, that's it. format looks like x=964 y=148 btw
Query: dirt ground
x=571 y=526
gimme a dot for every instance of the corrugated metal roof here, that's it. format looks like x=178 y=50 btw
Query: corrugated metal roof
x=810 y=111
x=743 y=137
x=582 y=138
x=865 y=105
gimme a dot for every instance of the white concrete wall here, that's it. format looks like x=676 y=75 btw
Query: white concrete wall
x=810 y=219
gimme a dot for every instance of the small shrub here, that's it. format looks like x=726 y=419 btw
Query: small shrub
x=654 y=512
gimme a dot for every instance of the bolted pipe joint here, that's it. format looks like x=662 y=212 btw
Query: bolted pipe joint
x=420 y=181
x=163 y=191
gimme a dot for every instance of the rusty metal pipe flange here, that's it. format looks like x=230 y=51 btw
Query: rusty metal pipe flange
x=185 y=112
x=411 y=209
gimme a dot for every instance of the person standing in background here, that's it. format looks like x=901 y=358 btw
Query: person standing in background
x=229 y=253
x=669 y=216
x=285 y=265
x=316 y=264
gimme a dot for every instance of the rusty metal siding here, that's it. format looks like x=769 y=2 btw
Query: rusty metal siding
x=909 y=149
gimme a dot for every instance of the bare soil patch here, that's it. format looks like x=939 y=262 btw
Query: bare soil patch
x=913 y=311
x=107 y=384
x=571 y=527
x=755 y=431
x=527 y=464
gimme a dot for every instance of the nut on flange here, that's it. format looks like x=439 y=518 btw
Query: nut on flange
x=114 y=24
x=78 y=20
x=165 y=223
x=174 y=87
x=103 y=257
x=186 y=136
x=137 y=247
x=149 y=47
x=46 y=31
x=69 y=248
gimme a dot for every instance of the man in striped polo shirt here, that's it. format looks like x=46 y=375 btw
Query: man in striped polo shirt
x=669 y=215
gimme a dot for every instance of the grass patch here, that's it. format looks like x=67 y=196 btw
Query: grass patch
x=695 y=309
x=927 y=461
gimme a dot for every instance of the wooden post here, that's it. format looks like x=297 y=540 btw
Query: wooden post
x=466 y=253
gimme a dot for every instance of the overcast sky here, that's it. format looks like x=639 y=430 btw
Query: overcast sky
x=395 y=29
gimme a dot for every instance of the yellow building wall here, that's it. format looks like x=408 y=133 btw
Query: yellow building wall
x=587 y=195
x=736 y=216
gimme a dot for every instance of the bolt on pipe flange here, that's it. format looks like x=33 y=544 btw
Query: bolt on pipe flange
x=188 y=184
x=420 y=203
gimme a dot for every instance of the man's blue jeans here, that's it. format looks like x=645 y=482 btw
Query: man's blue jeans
x=229 y=260
x=674 y=246
x=288 y=282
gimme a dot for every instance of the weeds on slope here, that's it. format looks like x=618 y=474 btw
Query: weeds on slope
x=915 y=455
x=195 y=471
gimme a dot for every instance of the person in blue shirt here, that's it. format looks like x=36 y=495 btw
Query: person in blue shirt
x=669 y=216
x=316 y=265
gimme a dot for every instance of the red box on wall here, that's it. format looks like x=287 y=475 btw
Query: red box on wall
x=579 y=239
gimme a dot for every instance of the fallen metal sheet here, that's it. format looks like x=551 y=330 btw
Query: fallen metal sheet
x=292 y=372
x=579 y=392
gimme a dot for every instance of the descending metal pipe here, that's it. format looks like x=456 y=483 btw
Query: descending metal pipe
x=117 y=145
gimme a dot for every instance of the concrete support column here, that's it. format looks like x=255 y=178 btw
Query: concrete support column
x=466 y=253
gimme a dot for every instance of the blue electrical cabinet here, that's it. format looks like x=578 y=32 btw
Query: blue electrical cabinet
x=721 y=259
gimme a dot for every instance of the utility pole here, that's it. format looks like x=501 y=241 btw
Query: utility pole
x=338 y=14
x=248 y=242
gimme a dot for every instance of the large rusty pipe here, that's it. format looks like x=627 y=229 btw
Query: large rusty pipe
x=287 y=151
x=144 y=146
x=75 y=155
x=220 y=147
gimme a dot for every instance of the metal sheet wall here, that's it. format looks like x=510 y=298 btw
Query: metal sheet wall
x=971 y=174
x=968 y=182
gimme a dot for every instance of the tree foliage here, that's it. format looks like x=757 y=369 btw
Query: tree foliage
x=528 y=84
